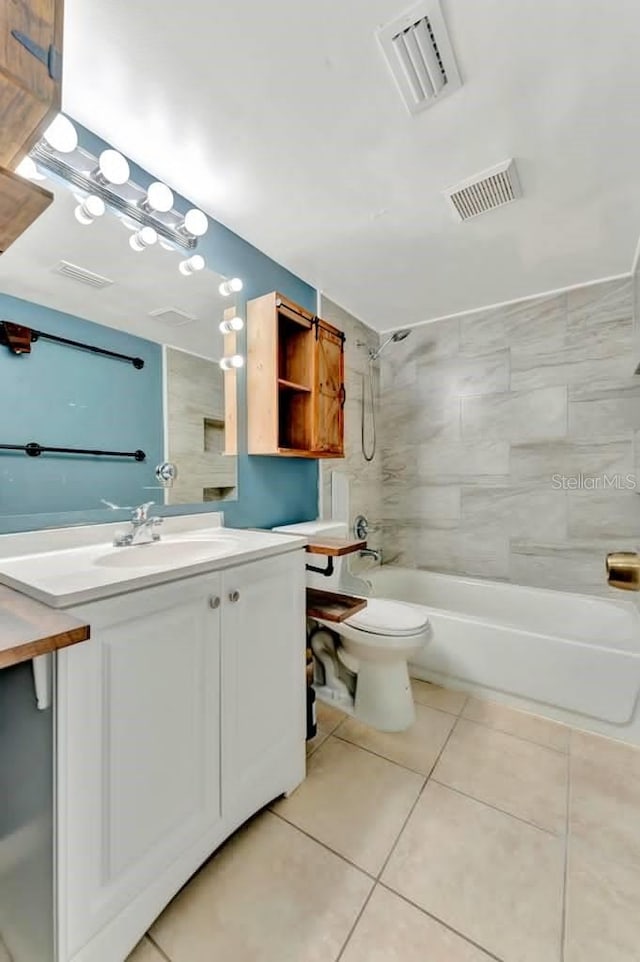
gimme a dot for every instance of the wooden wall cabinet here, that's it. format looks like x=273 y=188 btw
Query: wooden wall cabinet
x=29 y=99
x=295 y=381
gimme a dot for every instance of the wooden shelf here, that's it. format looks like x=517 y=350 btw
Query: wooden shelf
x=335 y=547
x=292 y=386
x=331 y=606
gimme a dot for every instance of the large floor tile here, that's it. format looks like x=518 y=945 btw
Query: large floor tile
x=608 y=753
x=491 y=877
x=391 y=930
x=603 y=908
x=532 y=727
x=353 y=801
x=417 y=748
x=328 y=717
x=521 y=778
x=604 y=806
x=446 y=699
x=316 y=741
x=145 y=951
x=270 y=895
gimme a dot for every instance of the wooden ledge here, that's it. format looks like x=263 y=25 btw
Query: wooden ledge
x=28 y=628
x=335 y=546
x=331 y=606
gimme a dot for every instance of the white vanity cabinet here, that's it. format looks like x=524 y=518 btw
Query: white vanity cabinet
x=182 y=716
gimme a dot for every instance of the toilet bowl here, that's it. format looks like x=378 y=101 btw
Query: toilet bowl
x=375 y=644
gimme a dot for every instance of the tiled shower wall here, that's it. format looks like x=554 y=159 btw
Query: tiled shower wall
x=479 y=413
x=364 y=477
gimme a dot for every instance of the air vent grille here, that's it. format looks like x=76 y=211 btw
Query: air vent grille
x=419 y=55
x=82 y=275
x=485 y=191
x=172 y=316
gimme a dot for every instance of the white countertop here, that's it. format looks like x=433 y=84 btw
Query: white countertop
x=63 y=567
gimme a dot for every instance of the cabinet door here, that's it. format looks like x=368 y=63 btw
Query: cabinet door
x=138 y=762
x=263 y=682
x=329 y=393
x=29 y=96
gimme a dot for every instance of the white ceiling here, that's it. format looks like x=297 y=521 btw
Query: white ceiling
x=143 y=282
x=281 y=120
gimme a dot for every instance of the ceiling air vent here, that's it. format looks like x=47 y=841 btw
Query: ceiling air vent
x=82 y=276
x=485 y=191
x=419 y=53
x=173 y=316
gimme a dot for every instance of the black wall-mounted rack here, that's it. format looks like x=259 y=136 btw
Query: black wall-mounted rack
x=19 y=340
x=34 y=450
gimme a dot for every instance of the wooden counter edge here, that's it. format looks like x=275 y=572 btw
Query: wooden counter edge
x=44 y=629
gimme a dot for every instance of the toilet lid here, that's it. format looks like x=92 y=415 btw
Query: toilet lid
x=383 y=617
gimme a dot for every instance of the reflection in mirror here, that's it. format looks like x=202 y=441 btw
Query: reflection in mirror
x=67 y=397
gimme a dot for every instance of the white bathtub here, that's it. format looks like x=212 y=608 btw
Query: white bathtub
x=569 y=651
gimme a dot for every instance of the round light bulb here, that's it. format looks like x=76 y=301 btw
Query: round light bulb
x=61 y=135
x=159 y=197
x=27 y=169
x=232 y=362
x=195 y=222
x=191 y=265
x=231 y=325
x=145 y=237
x=113 y=167
x=88 y=209
x=232 y=286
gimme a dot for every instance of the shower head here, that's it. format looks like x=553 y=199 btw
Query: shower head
x=393 y=338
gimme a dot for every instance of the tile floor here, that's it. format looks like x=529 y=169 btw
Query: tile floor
x=481 y=834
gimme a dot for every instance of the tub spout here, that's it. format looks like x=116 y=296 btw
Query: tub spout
x=374 y=553
x=623 y=570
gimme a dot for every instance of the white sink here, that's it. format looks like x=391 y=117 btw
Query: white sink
x=159 y=554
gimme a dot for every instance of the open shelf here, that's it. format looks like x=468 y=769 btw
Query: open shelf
x=292 y=386
x=331 y=606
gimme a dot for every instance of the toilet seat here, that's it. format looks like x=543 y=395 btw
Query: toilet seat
x=384 y=617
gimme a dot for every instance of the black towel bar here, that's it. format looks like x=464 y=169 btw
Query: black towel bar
x=33 y=449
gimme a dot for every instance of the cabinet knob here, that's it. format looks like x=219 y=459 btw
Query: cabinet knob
x=214 y=601
x=234 y=596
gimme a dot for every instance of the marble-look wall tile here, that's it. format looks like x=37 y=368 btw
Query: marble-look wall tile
x=542 y=462
x=439 y=505
x=468 y=462
x=612 y=513
x=464 y=376
x=523 y=512
x=517 y=415
x=569 y=566
x=486 y=409
x=480 y=551
x=607 y=412
x=536 y=324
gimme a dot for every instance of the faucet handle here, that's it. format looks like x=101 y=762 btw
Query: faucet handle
x=141 y=512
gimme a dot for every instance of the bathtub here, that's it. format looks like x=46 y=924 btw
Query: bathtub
x=573 y=652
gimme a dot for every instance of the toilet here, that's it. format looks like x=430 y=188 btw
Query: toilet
x=373 y=646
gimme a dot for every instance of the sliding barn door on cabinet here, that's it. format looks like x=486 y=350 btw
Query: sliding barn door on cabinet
x=328 y=426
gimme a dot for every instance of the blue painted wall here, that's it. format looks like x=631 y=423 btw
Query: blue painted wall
x=65 y=397
x=271 y=490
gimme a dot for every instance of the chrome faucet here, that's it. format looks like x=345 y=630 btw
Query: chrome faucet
x=142 y=525
x=374 y=553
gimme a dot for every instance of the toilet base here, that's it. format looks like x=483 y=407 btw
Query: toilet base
x=384 y=699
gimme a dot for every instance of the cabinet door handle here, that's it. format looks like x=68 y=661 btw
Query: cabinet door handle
x=234 y=596
x=214 y=601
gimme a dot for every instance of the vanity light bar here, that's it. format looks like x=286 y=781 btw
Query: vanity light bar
x=127 y=199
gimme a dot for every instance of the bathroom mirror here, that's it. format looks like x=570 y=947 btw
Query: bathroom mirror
x=85 y=283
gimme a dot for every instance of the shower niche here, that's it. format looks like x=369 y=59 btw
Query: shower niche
x=295 y=381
